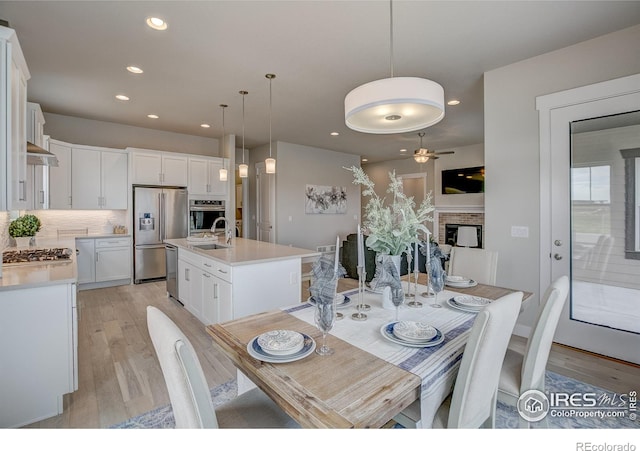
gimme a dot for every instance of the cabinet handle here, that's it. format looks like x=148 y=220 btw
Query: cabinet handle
x=97 y=257
x=41 y=197
x=206 y=275
x=70 y=201
x=104 y=201
x=186 y=274
x=23 y=189
x=222 y=271
x=207 y=265
x=215 y=291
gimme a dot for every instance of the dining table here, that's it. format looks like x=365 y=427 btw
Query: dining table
x=371 y=376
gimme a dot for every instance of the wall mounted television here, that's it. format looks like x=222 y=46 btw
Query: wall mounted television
x=463 y=180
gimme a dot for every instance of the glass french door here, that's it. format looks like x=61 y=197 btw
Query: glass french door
x=595 y=223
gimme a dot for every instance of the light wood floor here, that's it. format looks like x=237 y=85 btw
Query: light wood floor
x=119 y=376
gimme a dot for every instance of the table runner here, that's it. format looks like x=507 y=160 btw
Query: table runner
x=437 y=366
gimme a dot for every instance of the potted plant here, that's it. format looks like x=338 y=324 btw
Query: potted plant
x=23 y=229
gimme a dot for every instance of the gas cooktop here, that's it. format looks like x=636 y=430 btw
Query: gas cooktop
x=51 y=255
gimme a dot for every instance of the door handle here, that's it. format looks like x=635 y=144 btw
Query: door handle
x=558 y=243
x=557 y=256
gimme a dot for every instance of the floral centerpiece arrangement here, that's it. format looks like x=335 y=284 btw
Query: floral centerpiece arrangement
x=392 y=228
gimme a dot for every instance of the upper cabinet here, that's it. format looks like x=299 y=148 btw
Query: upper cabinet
x=88 y=178
x=13 y=114
x=204 y=176
x=158 y=168
x=35 y=125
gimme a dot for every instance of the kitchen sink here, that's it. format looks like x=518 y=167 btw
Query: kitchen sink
x=210 y=246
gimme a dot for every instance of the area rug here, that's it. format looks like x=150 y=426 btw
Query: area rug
x=507 y=417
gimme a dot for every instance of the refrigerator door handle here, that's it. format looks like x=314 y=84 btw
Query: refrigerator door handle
x=163 y=196
x=160 y=217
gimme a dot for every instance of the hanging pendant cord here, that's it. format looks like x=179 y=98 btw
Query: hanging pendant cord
x=243 y=94
x=223 y=107
x=391 y=36
x=270 y=117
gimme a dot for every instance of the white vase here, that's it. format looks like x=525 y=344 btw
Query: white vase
x=387 y=303
x=22 y=241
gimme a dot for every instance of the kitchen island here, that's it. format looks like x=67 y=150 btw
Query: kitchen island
x=237 y=279
x=38 y=336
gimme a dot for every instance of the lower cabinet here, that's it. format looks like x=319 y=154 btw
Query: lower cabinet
x=103 y=262
x=216 y=299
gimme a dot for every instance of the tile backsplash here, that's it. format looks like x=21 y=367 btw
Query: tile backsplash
x=95 y=221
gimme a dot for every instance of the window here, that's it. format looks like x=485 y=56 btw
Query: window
x=591 y=199
x=632 y=202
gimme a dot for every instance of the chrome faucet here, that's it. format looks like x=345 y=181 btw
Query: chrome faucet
x=227 y=229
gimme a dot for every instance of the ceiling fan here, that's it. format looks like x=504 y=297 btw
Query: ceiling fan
x=422 y=155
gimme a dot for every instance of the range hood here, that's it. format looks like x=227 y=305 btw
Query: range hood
x=36 y=155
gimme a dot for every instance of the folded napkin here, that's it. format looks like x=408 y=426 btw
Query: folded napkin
x=325 y=279
x=387 y=275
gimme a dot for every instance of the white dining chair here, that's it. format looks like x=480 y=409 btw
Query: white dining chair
x=480 y=265
x=189 y=392
x=522 y=372
x=473 y=401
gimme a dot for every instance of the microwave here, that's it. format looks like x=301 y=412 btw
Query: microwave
x=203 y=213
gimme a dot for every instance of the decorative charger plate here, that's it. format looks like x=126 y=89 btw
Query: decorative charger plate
x=340 y=303
x=256 y=351
x=387 y=332
x=452 y=303
x=472 y=301
x=281 y=342
x=414 y=331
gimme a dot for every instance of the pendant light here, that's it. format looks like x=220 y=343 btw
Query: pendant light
x=243 y=169
x=394 y=105
x=420 y=154
x=270 y=162
x=223 y=170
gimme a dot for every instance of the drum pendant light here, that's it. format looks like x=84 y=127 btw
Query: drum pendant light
x=243 y=169
x=394 y=105
x=270 y=162
x=223 y=169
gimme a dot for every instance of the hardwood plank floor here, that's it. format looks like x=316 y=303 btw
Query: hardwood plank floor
x=119 y=376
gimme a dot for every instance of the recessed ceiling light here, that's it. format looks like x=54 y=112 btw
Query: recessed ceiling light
x=156 y=23
x=134 y=70
x=153 y=116
x=403 y=150
x=205 y=125
x=453 y=102
x=334 y=133
x=364 y=160
x=122 y=97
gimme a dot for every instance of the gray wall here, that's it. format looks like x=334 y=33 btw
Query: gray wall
x=298 y=166
x=89 y=132
x=512 y=144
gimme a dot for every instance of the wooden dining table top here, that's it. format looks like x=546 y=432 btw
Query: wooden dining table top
x=350 y=389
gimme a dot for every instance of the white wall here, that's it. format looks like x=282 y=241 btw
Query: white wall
x=512 y=148
x=109 y=134
x=298 y=166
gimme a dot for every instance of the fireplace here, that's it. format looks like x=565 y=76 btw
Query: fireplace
x=451 y=233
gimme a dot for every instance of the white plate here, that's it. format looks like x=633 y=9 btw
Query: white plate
x=468 y=284
x=281 y=342
x=387 y=332
x=414 y=331
x=452 y=303
x=340 y=303
x=472 y=301
x=255 y=351
x=457 y=279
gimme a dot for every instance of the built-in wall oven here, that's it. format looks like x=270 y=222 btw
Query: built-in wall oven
x=203 y=213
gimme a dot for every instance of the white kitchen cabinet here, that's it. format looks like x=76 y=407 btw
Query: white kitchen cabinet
x=38 y=329
x=103 y=262
x=98 y=179
x=86 y=249
x=217 y=306
x=13 y=99
x=37 y=187
x=60 y=176
x=35 y=125
x=113 y=257
x=189 y=284
x=158 y=168
x=204 y=176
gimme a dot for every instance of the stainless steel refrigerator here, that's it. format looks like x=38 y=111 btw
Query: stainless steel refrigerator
x=159 y=213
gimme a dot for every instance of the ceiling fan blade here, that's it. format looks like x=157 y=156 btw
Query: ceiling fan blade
x=448 y=152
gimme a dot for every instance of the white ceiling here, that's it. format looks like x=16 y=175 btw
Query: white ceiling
x=77 y=52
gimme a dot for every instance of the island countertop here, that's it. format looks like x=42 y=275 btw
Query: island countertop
x=242 y=251
x=36 y=274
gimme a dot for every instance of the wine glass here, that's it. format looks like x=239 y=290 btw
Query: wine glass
x=437 y=285
x=325 y=317
x=397 y=297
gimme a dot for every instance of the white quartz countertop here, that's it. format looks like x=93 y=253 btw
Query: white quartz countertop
x=36 y=274
x=242 y=251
